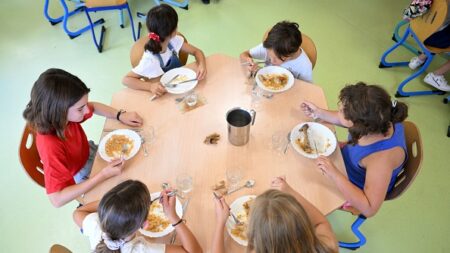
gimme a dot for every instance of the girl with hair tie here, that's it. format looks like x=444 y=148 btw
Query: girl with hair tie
x=161 y=52
x=375 y=152
x=112 y=224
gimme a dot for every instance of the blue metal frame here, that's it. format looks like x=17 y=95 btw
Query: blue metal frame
x=99 y=43
x=183 y=5
x=396 y=37
x=361 y=238
x=54 y=21
x=67 y=14
x=429 y=55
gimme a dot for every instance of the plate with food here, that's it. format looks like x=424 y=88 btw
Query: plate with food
x=158 y=224
x=177 y=81
x=118 y=143
x=241 y=209
x=313 y=139
x=274 y=79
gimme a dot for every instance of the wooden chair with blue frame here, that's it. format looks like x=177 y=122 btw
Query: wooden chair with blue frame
x=402 y=183
x=420 y=29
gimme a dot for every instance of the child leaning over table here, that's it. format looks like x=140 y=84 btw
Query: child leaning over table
x=58 y=105
x=161 y=52
x=112 y=224
x=376 y=149
x=282 y=47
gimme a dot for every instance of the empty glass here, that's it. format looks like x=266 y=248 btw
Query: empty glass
x=191 y=99
x=234 y=176
x=279 y=142
x=184 y=183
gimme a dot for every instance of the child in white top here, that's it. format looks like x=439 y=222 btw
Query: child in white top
x=282 y=47
x=161 y=52
x=112 y=224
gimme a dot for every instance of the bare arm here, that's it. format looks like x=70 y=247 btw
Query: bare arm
x=69 y=193
x=137 y=82
x=312 y=111
x=222 y=213
x=128 y=118
x=247 y=57
x=322 y=226
x=199 y=58
x=189 y=243
x=80 y=213
x=379 y=167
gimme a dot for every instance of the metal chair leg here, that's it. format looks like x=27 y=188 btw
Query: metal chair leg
x=98 y=45
x=67 y=14
x=396 y=37
x=361 y=238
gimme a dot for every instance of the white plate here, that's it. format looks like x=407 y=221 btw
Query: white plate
x=170 y=228
x=181 y=88
x=325 y=139
x=130 y=134
x=237 y=208
x=275 y=70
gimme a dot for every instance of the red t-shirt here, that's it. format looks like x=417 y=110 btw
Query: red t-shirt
x=62 y=159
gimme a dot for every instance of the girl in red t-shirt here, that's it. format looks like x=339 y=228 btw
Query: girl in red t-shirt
x=58 y=106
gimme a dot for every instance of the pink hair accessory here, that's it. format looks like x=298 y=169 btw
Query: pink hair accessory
x=153 y=36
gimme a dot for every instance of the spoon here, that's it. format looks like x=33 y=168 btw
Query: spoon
x=249 y=184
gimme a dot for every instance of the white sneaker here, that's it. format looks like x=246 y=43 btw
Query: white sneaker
x=437 y=81
x=415 y=62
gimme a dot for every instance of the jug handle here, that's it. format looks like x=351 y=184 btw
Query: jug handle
x=253 y=113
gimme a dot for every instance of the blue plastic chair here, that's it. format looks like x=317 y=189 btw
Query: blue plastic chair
x=54 y=21
x=419 y=29
x=402 y=183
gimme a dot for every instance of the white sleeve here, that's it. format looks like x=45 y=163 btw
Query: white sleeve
x=177 y=42
x=91 y=229
x=148 y=66
x=258 y=52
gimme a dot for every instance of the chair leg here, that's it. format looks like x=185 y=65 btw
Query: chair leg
x=121 y=19
x=429 y=55
x=67 y=14
x=396 y=37
x=384 y=63
x=53 y=21
x=135 y=38
x=99 y=44
x=361 y=238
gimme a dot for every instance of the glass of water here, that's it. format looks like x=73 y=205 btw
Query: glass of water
x=279 y=142
x=234 y=176
x=184 y=183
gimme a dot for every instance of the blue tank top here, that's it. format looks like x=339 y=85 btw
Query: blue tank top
x=353 y=154
x=174 y=61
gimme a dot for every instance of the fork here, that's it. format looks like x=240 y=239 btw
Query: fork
x=185 y=81
x=168 y=85
x=170 y=194
x=236 y=220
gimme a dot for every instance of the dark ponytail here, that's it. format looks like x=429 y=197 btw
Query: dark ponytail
x=371 y=110
x=399 y=112
x=162 y=21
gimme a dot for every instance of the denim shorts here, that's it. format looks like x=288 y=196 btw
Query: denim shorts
x=84 y=173
x=440 y=39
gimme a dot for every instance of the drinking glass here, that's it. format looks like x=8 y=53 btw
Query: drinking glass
x=279 y=142
x=234 y=176
x=184 y=183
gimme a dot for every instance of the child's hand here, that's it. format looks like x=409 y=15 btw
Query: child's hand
x=114 y=168
x=326 y=166
x=131 y=119
x=279 y=183
x=157 y=89
x=168 y=204
x=201 y=71
x=310 y=109
x=222 y=211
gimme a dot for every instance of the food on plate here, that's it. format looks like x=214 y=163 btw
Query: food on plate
x=240 y=230
x=179 y=79
x=303 y=140
x=274 y=81
x=115 y=144
x=157 y=221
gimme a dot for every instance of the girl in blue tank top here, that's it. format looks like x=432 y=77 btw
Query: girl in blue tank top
x=375 y=151
x=161 y=52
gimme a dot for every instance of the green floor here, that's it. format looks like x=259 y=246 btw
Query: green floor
x=350 y=37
